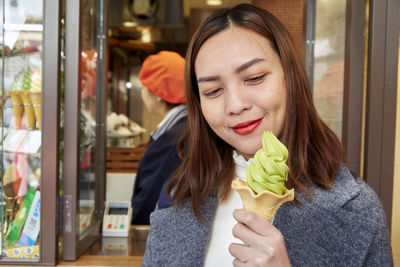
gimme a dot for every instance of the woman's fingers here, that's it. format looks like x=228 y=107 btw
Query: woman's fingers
x=249 y=256
x=241 y=252
x=264 y=244
x=245 y=234
x=255 y=222
x=238 y=263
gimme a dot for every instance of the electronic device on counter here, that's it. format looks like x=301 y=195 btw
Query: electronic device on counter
x=117 y=218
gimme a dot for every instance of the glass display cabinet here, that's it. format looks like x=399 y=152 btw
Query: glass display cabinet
x=29 y=99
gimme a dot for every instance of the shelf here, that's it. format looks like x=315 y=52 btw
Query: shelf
x=23 y=141
x=132 y=45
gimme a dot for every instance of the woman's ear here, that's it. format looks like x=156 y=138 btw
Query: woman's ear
x=159 y=99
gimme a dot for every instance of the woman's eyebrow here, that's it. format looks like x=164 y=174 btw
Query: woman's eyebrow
x=209 y=79
x=237 y=70
x=248 y=64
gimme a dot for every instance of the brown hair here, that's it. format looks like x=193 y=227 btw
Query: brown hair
x=315 y=152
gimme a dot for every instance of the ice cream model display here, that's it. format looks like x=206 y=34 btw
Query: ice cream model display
x=265 y=191
x=25 y=94
x=18 y=107
x=21 y=153
x=31 y=158
x=26 y=98
x=11 y=183
x=36 y=96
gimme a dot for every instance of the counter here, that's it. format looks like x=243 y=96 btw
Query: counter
x=115 y=251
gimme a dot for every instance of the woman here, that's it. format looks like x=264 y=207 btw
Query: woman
x=243 y=77
x=163 y=94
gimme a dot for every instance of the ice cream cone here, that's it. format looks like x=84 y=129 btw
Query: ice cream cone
x=265 y=203
x=1 y=110
x=11 y=181
x=36 y=98
x=30 y=114
x=11 y=184
x=18 y=107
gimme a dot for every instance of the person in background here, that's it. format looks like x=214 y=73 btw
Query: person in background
x=163 y=93
x=244 y=77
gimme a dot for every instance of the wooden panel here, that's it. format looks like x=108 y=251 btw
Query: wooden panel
x=353 y=91
x=381 y=100
x=124 y=159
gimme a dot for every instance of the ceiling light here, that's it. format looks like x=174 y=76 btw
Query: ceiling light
x=214 y=2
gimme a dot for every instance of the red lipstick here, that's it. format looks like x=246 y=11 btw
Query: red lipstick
x=246 y=127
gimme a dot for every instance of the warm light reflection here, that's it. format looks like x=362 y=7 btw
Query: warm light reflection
x=23 y=27
x=146 y=35
x=214 y=2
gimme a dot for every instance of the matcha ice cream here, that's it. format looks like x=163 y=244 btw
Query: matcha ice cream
x=269 y=171
x=265 y=191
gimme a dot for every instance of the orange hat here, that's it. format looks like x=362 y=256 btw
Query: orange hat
x=163 y=75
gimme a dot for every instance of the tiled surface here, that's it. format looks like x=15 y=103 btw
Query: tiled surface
x=290 y=13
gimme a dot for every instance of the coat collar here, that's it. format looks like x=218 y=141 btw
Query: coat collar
x=344 y=189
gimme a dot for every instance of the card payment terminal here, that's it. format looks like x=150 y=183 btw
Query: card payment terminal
x=117 y=218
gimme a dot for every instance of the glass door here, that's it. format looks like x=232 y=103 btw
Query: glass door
x=28 y=165
x=336 y=33
x=84 y=131
x=328 y=71
x=360 y=91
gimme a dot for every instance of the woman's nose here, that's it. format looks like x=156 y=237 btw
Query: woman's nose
x=236 y=100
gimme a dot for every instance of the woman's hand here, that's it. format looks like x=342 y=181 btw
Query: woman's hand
x=263 y=243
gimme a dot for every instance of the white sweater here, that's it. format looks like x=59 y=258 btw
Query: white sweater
x=221 y=234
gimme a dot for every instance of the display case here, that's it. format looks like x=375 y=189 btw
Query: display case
x=29 y=102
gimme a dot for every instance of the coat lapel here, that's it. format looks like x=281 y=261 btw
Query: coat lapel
x=323 y=231
x=181 y=239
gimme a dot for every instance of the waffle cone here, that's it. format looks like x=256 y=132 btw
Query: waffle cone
x=11 y=181
x=36 y=98
x=8 y=175
x=30 y=114
x=266 y=203
x=18 y=107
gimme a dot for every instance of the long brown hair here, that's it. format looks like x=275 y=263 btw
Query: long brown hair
x=315 y=152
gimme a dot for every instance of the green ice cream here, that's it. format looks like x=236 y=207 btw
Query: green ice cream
x=26 y=80
x=269 y=171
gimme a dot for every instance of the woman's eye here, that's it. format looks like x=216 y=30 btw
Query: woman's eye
x=256 y=79
x=213 y=92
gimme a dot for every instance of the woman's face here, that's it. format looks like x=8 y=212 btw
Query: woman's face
x=242 y=88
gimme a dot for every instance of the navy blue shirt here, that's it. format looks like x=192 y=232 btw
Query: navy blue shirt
x=157 y=165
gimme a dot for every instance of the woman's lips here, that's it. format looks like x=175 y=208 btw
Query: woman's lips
x=246 y=127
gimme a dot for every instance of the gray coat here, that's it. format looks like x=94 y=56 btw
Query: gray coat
x=343 y=226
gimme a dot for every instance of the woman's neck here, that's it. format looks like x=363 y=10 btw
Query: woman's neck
x=163 y=109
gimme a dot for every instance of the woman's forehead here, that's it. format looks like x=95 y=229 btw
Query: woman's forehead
x=235 y=46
